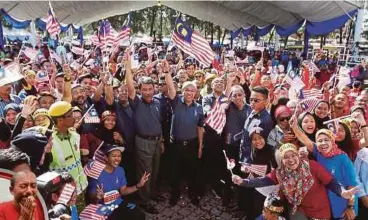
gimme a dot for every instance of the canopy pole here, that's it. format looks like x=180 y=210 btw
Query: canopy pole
x=277 y=42
x=34 y=34
x=358 y=28
x=242 y=40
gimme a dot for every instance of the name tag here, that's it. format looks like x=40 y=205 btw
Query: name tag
x=111 y=196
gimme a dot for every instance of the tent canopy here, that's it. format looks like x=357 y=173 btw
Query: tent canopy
x=228 y=14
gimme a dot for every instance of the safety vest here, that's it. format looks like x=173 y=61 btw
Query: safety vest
x=66 y=158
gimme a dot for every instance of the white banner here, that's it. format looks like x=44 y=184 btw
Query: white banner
x=10 y=73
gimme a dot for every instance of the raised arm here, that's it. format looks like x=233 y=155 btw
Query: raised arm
x=168 y=79
x=67 y=93
x=129 y=77
x=302 y=137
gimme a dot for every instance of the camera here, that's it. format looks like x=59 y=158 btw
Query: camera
x=47 y=184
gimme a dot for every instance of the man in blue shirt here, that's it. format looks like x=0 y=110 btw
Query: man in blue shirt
x=148 y=121
x=187 y=142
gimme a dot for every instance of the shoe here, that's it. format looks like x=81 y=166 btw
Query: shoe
x=174 y=200
x=195 y=201
x=149 y=208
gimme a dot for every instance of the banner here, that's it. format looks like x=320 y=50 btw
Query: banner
x=10 y=73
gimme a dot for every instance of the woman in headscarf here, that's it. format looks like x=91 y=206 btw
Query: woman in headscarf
x=301 y=182
x=307 y=123
x=263 y=161
x=42 y=118
x=361 y=167
x=321 y=112
x=337 y=163
x=345 y=142
x=105 y=132
x=10 y=113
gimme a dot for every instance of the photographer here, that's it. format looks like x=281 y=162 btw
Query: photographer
x=60 y=196
x=23 y=187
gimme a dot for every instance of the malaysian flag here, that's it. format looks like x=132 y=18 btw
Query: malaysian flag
x=333 y=125
x=294 y=80
x=255 y=169
x=308 y=105
x=92 y=117
x=92 y=212
x=217 y=116
x=57 y=58
x=106 y=37
x=52 y=25
x=66 y=194
x=99 y=154
x=77 y=50
x=124 y=34
x=93 y=169
x=311 y=93
x=192 y=43
x=30 y=53
x=10 y=73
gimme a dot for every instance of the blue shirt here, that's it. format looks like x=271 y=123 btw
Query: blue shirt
x=361 y=167
x=125 y=122
x=235 y=119
x=147 y=116
x=342 y=169
x=261 y=119
x=186 y=119
x=166 y=112
x=109 y=181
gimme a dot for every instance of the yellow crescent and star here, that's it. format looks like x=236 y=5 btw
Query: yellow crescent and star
x=182 y=31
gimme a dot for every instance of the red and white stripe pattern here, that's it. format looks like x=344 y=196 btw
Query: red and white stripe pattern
x=56 y=57
x=102 y=41
x=66 y=194
x=199 y=48
x=309 y=104
x=30 y=53
x=294 y=80
x=52 y=25
x=259 y=170
x=123 y=36
x=216 y=118
x=77 y=50
x=312 y=93
x=93 y=169
x=99 y=154
x=91 y=118
x=91 y=213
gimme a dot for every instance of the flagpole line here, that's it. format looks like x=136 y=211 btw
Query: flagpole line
x=335 y=119
x=85 y=114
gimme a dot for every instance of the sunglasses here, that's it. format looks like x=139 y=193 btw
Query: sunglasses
x=255 y=100
x=284 y=119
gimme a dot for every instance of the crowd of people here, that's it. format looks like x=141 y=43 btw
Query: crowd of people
x=110 y=129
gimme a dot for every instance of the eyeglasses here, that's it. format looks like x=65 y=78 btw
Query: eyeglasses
x=237 y=95
x=255 y=100
x=284 y=119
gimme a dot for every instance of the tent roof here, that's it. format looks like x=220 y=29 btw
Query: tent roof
x=228 y=14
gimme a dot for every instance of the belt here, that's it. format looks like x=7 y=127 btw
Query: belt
x=150 y=138
x=184 y=143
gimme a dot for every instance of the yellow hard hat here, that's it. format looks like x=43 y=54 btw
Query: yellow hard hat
x=41 y=111
x=59 y=108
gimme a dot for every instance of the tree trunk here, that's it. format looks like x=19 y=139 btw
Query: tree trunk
x=223 y=36
x=212 y=33
x=154 y=9
x=340 y=42
x=160 y=24
x=321 y=44
x=218 y=34
x=286 y=41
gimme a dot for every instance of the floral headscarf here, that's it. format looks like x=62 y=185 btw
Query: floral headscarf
x=295 y=184
x=335 y=150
